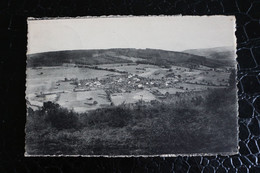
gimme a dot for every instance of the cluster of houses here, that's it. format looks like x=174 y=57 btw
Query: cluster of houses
x=123 y=83
x=127 y=82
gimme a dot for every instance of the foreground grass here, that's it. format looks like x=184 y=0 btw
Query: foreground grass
x=161 y=128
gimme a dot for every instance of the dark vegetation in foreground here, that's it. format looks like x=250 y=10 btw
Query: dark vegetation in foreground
x=209 y=126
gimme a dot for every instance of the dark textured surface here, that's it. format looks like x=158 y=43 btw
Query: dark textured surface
x=12 y=65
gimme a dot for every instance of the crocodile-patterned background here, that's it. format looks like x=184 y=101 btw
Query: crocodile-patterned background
x=13 y=30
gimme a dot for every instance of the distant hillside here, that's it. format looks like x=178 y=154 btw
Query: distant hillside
x=223 y=54
x=162 y=57
x=87 y=57
x=110 y=56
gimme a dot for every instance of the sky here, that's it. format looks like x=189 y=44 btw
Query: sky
x=176 y=33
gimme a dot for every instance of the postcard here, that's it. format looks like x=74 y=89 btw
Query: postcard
x=121 y=86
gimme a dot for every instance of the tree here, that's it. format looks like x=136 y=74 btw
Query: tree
x=232 y=78
x=59 y=118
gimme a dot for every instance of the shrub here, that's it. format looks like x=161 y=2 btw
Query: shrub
x=113 y=117
x=60 y=118
x=216 y=97
x=34 y=122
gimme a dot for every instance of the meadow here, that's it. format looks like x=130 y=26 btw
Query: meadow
x=49 y=82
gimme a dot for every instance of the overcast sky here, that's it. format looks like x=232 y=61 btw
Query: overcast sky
x=166 y=32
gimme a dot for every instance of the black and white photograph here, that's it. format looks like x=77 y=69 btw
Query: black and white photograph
x=121 y=86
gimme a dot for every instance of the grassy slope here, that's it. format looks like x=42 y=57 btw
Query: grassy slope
x=186 y=127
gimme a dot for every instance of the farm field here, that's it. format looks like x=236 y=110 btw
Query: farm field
x=133 y=97
x=83 y=101
x=138 y=69
x=60 y=84
x=48 y=84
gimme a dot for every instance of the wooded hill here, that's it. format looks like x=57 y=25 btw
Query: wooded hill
x=146 y=56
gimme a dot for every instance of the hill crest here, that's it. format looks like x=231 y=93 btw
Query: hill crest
x=110 y=56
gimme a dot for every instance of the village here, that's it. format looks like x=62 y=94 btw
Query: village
x=85 y=87
x=127 y=82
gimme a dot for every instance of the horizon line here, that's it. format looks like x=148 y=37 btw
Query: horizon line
x=132 y=48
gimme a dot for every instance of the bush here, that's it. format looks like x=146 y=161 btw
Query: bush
x=112 y=117
x=220 y=98
x=60 y=118
x=34 y=122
